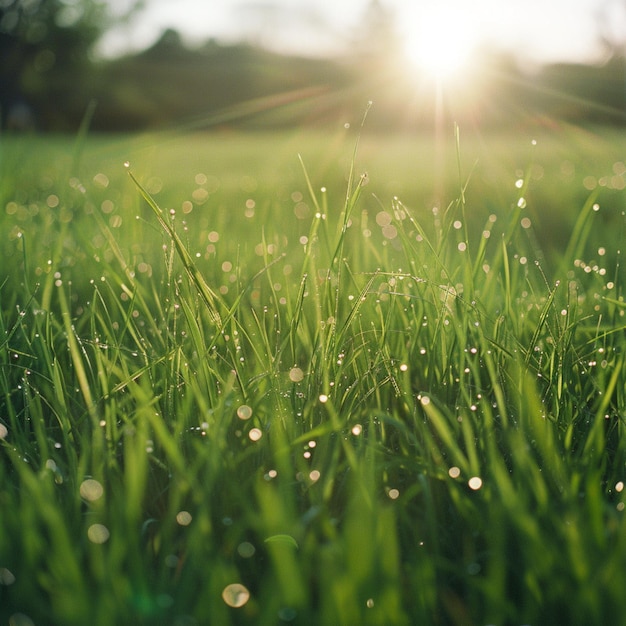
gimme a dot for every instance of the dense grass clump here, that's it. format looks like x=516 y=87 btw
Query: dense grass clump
x=264 y=402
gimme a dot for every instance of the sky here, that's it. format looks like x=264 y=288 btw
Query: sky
x=537 y=31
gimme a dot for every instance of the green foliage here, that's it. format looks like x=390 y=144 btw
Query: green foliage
x=45 y=48
x=50 y=73
x=361 y=410
x=242 y=86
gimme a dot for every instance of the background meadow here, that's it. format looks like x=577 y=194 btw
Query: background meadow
x=334 y=377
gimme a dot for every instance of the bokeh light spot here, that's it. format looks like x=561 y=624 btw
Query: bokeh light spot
x=235 y=595
x=475 y=483
x=91 y=490
x=184 y=518
x=244 y=412
x=98 y=533
x=296 y=375
x=255 y=434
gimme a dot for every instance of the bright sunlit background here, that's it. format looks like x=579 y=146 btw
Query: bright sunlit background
x=439 y=41
x=439 y=35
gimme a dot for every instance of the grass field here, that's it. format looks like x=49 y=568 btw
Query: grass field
x=266 y=379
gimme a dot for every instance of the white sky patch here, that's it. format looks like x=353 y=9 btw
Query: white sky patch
x=559 y=30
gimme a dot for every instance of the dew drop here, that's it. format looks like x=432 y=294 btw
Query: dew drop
x=246 y=550
x=475 y=483
x=296 y=375
x=171 y=560
x=255 y=434
x=20 y=619
x=244 y=412
x=184 y=518
x=91 y=490
x=98 y=533
x=235 y=595
x=6 y=576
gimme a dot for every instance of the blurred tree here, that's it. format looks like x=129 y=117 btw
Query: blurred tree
x=377 y=35
x=612 y=22
x=45 y=69
x=611 y=18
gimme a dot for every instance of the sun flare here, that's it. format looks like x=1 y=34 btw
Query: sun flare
x=440 y=42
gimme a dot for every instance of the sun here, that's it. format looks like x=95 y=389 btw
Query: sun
x=440 y=41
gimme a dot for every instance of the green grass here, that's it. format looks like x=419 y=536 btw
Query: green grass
x=214 y=371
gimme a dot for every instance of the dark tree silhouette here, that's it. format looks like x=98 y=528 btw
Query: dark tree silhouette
x=44 y=59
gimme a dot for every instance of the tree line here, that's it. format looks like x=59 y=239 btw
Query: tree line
x=49 y=79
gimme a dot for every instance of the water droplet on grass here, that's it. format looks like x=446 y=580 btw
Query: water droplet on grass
x=246 y=550
x=255 y=434
x=244 y=412
x=454 y=472
x=296 y=375
x=475 y=483
x=235 y=595
x=19 y=619
x=184 y=518
x=171 y=560
x=6 y=576
x=91 y=490
x=98 y=533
